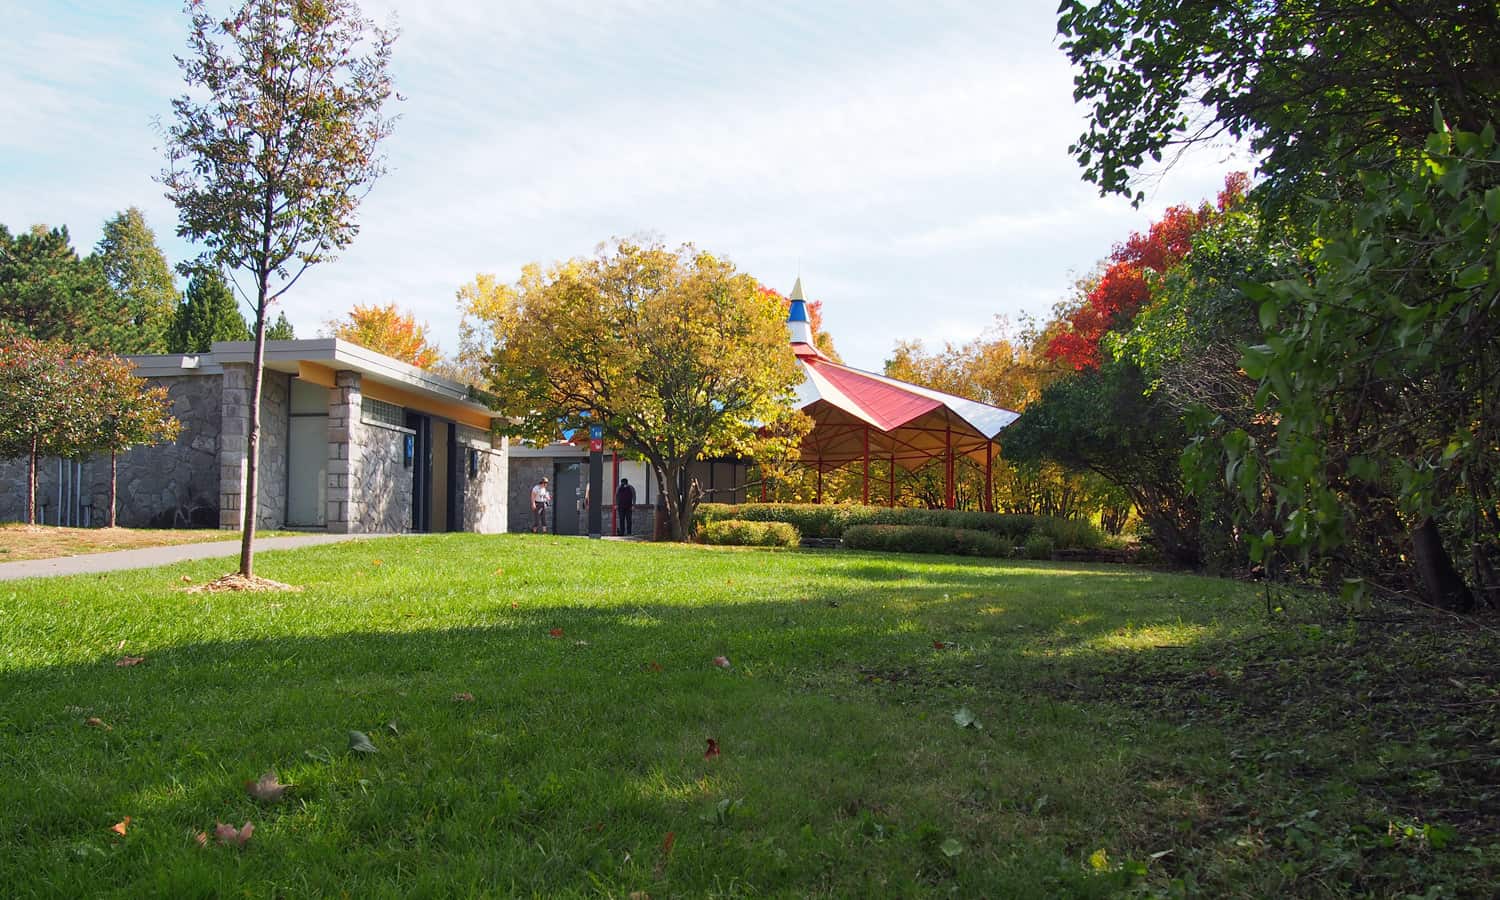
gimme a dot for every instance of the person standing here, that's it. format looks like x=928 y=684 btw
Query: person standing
x=624 y=506
x=541 y=498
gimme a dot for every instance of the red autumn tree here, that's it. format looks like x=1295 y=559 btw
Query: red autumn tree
x=1124 y=288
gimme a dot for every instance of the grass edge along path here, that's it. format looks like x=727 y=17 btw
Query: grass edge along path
x=541 y=708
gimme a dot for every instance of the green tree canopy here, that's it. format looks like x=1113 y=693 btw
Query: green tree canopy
x=208 y=312
x=138 y=272
x=47 y=292
x=674 y=352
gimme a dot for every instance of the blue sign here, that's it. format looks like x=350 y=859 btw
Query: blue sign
x=596 y=432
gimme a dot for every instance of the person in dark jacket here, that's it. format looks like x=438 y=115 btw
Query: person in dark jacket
x=624 y=506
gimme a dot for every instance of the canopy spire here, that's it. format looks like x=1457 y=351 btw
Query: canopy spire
x=796 y=319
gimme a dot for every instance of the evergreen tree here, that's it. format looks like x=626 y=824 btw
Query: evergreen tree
x=281 y=330
x=207 y=313
x=139 y=274
x=47 y=292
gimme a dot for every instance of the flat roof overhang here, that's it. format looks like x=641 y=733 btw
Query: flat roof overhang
x=318 y=360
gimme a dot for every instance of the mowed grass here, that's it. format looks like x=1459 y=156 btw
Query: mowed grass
x=578 y=767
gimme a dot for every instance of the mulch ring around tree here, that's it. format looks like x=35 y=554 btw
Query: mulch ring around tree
x=237 y=582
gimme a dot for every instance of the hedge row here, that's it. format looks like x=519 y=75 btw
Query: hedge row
x=740 y=533
x=832 y=521
x=933 y=539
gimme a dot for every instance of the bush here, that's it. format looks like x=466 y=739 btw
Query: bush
x=739 y=533
x=925 y=539
x=1039 y=546
x=833 y=521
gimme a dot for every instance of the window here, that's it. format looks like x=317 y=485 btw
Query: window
x=379 y=412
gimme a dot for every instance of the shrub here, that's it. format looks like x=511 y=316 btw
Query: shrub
x=1040 y=546
x=740 y=533
x=832 y=521
x=925 y=539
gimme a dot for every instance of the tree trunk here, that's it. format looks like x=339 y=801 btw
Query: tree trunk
x=114 y=476
x=31 y=486
x=1441 y=583
x=250 y=501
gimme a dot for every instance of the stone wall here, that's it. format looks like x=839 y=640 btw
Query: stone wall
x=381 y=499
x=485 y=496
x=172 y=485
x=275 y=402
x=13 y=476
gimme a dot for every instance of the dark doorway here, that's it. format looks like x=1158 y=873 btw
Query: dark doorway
x=567 y=497
x=458 y=473
x=421 y=472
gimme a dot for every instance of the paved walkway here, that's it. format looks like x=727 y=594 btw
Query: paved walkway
x=150 y=557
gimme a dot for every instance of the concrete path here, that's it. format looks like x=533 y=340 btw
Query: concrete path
x=149 y=557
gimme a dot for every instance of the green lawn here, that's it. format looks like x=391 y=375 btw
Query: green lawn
x=1140 y=731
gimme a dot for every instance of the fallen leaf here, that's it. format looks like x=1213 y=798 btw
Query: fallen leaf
x=654 y=666
x=463 y=697
x=391 y=727
x=374 y=562
x=580 y=643
x=268 y=789
x=359 y=742
x=514 y=605
x=556 y=632
x=713 y=749
x=951 y=848
x=187 y=579
x=201 y=839
x=1099 y=860
x=966 y=719
x=667 y=842
x=121 y=645
x=125 y=662
x=639 y=895
x=230 y=836
x=721 y=661
x=119 y=827
x=96 y=722
x=500 y=570
x=940 y=645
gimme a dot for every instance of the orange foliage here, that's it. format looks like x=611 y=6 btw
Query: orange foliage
x=389 y=330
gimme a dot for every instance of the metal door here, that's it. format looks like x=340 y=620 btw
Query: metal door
x=567 y=488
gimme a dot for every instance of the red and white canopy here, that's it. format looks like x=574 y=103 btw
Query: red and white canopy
x=862 y=416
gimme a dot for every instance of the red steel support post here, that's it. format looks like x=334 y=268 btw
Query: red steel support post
x=867 y=465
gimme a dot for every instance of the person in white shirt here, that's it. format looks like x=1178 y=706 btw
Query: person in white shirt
x=541 y=498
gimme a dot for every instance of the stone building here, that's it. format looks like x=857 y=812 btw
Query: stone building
x=351 y=441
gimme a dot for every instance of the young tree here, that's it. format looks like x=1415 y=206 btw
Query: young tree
x=390 y=330
x=122 y=411
x=273 y=149
x=41 y=403
x=138 y=272
x=675 y=353
x=47 y=292
x=281 y=330
x=208 y=312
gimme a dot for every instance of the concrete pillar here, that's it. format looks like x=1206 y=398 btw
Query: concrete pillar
x=344 y=403
x=234 y=444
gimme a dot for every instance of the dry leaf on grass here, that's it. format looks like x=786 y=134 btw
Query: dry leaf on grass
x=713 y=749
x=126 y=662
x=230 y=836
x=268 y=789
x=463 y=697
x=96 y=722
x=119 y=827
x=556 y=632
x=722 y=662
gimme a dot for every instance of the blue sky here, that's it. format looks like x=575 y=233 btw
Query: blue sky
x=909 y=158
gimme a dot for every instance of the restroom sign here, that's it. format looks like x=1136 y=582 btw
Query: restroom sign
x=596 y=438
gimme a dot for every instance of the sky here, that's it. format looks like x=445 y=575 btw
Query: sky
x=908 y=160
